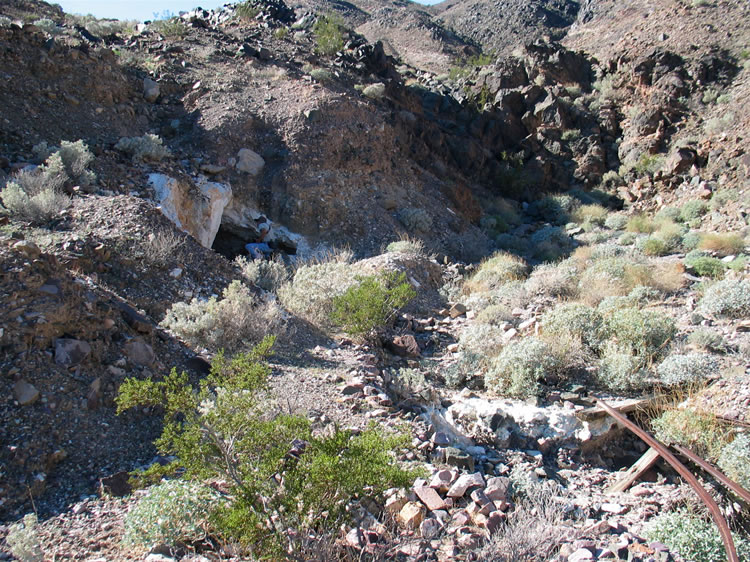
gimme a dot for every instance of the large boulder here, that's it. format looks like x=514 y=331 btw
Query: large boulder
x=196 y=208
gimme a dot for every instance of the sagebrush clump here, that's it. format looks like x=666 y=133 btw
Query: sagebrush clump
x=693 y=429
x=693 y=537
x=734 y=460
x=146 y=148
x=415 y=219
x=573 y=319
x=171 y=513
x=692 y=368
x=269 y=275
x=496 y=271
x=329 y=34
x=237 y=320
x=729 y=298
x=23 y=540
x=521 y=366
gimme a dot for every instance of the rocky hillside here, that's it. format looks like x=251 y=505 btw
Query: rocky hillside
x=470 y=223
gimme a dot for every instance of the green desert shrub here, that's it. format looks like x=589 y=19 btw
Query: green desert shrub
x=653 y=246
x=707 y=340
x=554 y=280
x=691 y=240
x=520 y=367
x=646 y=333
x=691 y=368
x=671 y=214
x=734 y=460
x=322 y=75
x=496 y=271
x=705 y=266
x=729 y=298
x=693 y=429
x=555 y=209
x=281 y=476
x=372 y=303
x=172 y=28
x=616 y=222
x=374 y=91
x=246 y=11
x=573 y=319
x=591 y=215
x=693 y=210
x=37 y=206
x=415 y=219
x=694 y=538
x=75 y=158
x=313 y=287
x=237 y=320
x=329 y=34
x=671 y=234
x=146 y=148
x=269 y=275
x=550 y=243
x=171 y=513
x=640 y=224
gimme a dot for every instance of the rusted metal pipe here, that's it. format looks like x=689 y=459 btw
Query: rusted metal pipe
x=715 y=472
x=682 y=470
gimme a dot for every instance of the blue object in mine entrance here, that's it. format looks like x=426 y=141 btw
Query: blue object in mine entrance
x=258 y=250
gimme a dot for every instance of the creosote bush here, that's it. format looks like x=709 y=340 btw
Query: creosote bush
x=729 y=298
x=171 y=513
x=693 y=210
x=329 y=34
x=281 y=476
x=693 y=537
x=372 y=302
x=146 y=148
x=705 y=266
x=236 y=320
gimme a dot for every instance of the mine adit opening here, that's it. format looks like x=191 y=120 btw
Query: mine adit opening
x=230 y=242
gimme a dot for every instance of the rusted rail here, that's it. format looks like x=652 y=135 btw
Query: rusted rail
x=715 y=472
x=721 y=523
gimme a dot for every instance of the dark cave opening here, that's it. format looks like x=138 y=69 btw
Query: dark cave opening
x=230 y=243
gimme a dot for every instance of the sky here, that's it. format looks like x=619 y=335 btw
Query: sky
x=143 y=9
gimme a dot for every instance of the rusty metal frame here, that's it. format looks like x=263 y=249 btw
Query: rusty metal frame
x=682 y=470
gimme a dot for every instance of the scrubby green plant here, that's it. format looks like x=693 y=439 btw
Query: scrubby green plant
x=415 y=219
x=372 y=302
x=146 y=148
x=620 y=368
x=23 y=540
x=571 y=135
x=722 y=244
x=329 y=34
x=653 y=246
x=616 y=221
x=160 y=248
x=281 y=476
x=550 y=243
x=482 y=339
x=693 y=210
x=648 y=164
x=734 y=460
x=641 y=224
x=693 y=429
x=236 y=320
x=573 y=319
x=374 y=91
x=729 y=298
x=691 y=240
x=172 y=28
x=521 y=366
x=692 y=368
x=693 y=537
x=591 y=215
x=495 y=271
x=671 y=214
x=171 y=513
x=281 y=32
x=322 y=75
x=706 y=266
x=707 y=340
x=269 y=275
x=246 y=11
x=29 y=197
x=646 y=333
x=555 y=209
x=671 y=234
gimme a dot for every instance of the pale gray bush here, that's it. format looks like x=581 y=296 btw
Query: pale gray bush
x=684 y=369
x=269 y=275
x=23 y=540
x=573 y=319
x=620 y=369
x=237 y=320
x=171 y=513
x=729 y=298
x=406 y=246
x=146 y=148
x=415 y=219
x=734 y=460
x=520 y=366
x=34 y=197
x=616 y=222
x=160 y=248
